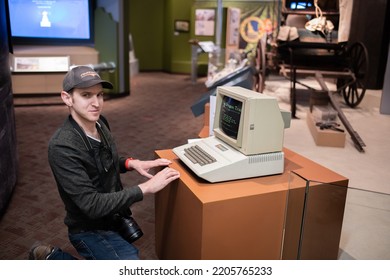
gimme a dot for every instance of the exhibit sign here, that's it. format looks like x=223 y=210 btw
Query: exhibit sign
x=40 y=64
x=204 y=22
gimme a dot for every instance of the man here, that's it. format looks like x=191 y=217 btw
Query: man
x=86 y=166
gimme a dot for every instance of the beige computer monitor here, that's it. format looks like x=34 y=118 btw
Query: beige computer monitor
x=250 y=122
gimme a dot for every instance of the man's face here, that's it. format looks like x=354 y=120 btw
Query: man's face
x=86 y=103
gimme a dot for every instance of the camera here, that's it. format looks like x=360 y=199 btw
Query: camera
x=128 y=228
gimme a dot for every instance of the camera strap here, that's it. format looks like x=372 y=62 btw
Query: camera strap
x=102 y=121
x=84 y=136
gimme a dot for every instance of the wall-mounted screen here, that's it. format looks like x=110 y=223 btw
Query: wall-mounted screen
x=51 y=21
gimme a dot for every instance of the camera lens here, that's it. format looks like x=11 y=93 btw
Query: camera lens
x=130 y=230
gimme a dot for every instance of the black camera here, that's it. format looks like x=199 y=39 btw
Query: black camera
x=128 y=228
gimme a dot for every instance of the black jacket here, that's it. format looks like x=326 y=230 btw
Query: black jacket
x=91 y=194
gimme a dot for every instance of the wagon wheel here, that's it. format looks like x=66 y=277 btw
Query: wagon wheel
x=353 y=90
x=260 y=65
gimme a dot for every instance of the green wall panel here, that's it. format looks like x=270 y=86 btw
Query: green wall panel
x=146 y=19
x=179 y=49
x=106 y=43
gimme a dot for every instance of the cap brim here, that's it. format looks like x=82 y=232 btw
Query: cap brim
x=90 y=83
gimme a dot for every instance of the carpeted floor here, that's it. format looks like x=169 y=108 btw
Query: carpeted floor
x=155 y=116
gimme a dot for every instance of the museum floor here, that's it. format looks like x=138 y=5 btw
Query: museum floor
x=157 y=116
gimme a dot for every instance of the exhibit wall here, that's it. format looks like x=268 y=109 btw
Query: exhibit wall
x=106 y=42
x=161 y=37
x=112 y=41
x=370 y=24
x=146 y=23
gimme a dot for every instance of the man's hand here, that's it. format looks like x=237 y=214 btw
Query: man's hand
x=159 y=181
x=143 y=167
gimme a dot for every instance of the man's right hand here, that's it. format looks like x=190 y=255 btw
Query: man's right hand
x=159 y=181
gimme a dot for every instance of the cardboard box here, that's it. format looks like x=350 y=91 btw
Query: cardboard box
x=325 y=137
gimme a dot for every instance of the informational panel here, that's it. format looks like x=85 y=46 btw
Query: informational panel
x=204 y=22
x=41 y=64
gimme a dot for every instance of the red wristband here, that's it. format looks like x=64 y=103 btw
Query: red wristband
x=127 y=163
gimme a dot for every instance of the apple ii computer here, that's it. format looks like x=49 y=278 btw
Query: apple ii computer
x=248 y=138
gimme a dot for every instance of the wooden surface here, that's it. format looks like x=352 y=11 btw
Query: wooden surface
x=245 y=219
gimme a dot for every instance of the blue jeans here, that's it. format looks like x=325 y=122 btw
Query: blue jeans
x=98 y=245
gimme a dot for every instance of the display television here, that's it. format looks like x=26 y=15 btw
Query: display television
x=250 y=122
x=51 y=22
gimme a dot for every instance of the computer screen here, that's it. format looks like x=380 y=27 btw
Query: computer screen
x=229 y=120
x=296 y=5
x=51 y=22
x=250 y=122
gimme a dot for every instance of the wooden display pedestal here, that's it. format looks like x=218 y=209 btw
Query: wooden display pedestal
x=294 y=215
x=286 y=216
x=48 y=82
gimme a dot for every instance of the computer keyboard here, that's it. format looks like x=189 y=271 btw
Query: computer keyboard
x=215 y=161
x=197 y=155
